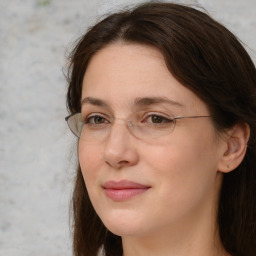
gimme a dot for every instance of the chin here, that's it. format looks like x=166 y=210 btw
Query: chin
x=123 y=225
x=124 y=231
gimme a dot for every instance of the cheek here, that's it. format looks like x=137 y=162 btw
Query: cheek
x=184 y=157
x=186 y=169
x=90 y=160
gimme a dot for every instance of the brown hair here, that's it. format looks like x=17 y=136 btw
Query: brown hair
x=209 y=60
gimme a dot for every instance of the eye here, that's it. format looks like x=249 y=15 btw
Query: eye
x=157 y=119
x=96 y=119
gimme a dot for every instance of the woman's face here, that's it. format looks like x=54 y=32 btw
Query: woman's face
x=140 y=185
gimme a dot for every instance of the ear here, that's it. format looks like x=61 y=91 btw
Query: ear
x=235 y=145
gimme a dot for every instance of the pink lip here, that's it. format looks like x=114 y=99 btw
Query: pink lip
x=123 y=190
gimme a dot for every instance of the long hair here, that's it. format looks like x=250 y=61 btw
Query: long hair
x=210 y=61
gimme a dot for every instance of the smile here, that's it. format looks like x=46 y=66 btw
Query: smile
x=123 y=190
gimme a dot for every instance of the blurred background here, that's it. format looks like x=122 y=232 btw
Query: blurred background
x=37 y=152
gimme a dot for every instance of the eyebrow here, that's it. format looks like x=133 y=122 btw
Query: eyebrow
x=94 y=101
x=147 y=101
x=143 y=102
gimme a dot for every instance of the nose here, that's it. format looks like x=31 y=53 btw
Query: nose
x=120 y=149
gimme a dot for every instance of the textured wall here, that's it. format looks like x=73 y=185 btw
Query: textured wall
x=36 y=166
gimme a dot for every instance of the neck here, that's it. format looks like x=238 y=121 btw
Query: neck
x=174 y=244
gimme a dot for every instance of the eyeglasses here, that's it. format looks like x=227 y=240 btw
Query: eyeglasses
x=97 y=127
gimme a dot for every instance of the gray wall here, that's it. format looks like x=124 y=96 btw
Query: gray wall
x=36 y=164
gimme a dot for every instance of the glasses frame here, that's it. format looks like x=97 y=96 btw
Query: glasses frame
x=67 y=118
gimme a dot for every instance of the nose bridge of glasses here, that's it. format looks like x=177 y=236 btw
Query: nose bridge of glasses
x=129 y=123
x=118 y=127
x=127 y=126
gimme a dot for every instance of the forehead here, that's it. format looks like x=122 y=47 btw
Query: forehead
x=122 y=72
x=126 y=63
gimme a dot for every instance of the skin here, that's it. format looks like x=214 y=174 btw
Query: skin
x=177 y=215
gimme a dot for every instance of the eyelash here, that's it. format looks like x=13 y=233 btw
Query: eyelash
x=161 y=118
x=157 y=116
x=93 y=117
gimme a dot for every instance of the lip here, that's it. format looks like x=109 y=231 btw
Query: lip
x=124 y=189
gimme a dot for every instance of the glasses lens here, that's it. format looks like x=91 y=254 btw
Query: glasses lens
x=75 y=124
x=154 y=129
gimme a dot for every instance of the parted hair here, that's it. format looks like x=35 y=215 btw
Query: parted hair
x=209 y=60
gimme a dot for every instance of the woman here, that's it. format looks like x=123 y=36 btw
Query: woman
x=163 y=100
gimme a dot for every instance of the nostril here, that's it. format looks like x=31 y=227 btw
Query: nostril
x=123 y=163
x=117 y=165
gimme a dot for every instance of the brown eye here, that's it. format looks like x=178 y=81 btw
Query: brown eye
x=156 y=119
x=96 y=120
x=99 y=120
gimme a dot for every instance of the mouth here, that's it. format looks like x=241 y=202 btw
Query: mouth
x=124 y=189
